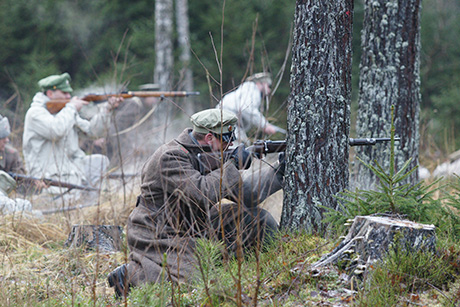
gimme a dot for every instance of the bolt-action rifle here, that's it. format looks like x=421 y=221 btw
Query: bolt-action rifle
x=262 y=147
x=52 y=182
x=56 y=105
x=212 y=160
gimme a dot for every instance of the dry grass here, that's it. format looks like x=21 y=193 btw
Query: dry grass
x=37 y=269
x=36 y=266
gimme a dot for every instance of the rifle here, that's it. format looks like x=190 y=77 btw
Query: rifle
x=56 y=105
x=262 y=147
x=211 y=160
x=52 y=182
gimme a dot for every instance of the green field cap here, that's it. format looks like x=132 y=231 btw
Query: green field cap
x=215 y=121
x=56 y=82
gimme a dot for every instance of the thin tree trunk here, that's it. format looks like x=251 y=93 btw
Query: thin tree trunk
x=164 y=63
x=389 y=75
x=183 y=37
x=163 y=74
x=318 y=112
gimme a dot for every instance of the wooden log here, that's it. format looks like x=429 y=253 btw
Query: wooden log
x=370 y=238
x=105 y=238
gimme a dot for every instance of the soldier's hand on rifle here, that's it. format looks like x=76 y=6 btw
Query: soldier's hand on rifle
x=99 y=143
x=269 y=129
x=40 y=185
x=78 y=103
x=114 y=102
x=241 y=157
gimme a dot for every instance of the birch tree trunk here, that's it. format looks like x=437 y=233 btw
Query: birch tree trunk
x=389 y=75
x=183 y=37
x=164 y=62
x=318 y=112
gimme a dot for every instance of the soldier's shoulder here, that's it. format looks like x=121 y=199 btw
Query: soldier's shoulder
x=11 y=150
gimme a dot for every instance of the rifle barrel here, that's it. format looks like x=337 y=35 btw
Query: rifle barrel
x=369 y=141
x=268 y=146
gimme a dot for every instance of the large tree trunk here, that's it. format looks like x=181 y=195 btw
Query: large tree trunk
x=318 y=112
x=389 y=75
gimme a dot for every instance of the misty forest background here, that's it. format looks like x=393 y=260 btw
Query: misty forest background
x=113 y=42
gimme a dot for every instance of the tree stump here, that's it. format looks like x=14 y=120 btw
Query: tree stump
x=371 y=237
x=105 y=238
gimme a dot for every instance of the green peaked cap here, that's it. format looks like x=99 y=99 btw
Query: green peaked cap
x=56 y=82
x=214 y=120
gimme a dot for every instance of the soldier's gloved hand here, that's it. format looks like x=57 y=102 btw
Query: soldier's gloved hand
x=241 y=157
x=281 y=166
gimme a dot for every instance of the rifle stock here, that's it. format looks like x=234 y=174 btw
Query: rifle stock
x=56 y=105
x=52 y=182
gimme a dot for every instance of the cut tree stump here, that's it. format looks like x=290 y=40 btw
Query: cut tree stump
x=371 y=237
x=105 y=238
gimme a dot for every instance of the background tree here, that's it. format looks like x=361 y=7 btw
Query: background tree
x=164 y=60
x=270 y=19
x=318 y=112
x=440 y=76
x=183 y=40
x=83 y=38
x=164 y=44
x=389 y=75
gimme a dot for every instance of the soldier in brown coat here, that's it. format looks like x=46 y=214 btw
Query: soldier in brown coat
x=10 y=161
x=180 y=203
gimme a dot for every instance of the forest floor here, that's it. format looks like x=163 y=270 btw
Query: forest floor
x=37 y=269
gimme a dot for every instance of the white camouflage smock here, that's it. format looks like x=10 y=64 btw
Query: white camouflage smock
x=245 y=102
x=50 y=143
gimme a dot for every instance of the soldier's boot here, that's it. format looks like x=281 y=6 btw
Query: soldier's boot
x=118 y=279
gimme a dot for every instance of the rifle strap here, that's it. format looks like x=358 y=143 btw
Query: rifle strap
x=143 y=119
